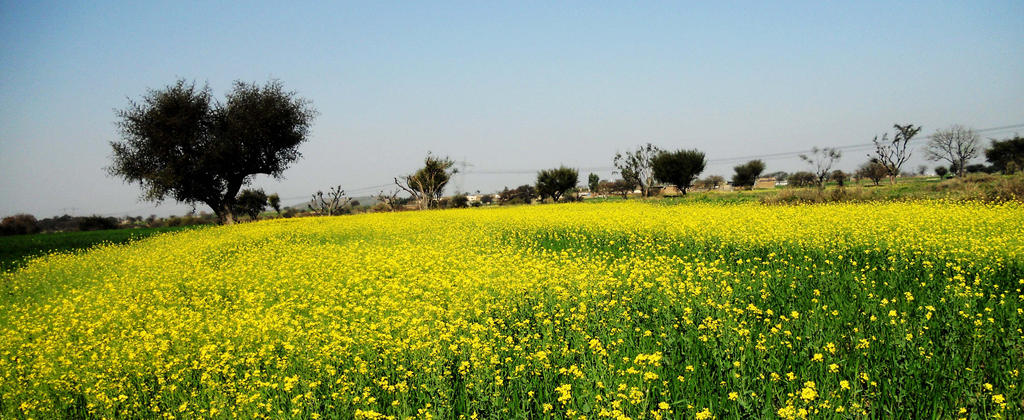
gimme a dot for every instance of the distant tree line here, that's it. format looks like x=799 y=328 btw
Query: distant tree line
x=179 y=143
x=24 y=224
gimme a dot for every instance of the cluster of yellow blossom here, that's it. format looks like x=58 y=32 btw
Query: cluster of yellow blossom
x=611 y=310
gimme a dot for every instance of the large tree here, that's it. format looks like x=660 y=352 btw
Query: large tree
x=893 y=154
x=556 y=182
x=956 y=145
x=636 y=167
x=1006 y=156
x=179 y=143
x=747 y=173
x=678 y=168
x=426 y=185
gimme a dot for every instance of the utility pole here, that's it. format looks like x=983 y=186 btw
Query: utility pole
x=461 y=181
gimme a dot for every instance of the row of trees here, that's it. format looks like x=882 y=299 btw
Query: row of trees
x=180 y=143
x=643 y=167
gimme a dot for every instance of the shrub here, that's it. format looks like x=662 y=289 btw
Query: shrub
x=19 y=224
x=459 y=201
x=97 y=223
x=802 y=179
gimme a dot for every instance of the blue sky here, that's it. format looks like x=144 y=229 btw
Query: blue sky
x=509 y=87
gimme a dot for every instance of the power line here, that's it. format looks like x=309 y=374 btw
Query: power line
x=851 y=147
x=769 y=156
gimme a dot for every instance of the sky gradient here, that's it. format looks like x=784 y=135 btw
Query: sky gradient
x=510 y=88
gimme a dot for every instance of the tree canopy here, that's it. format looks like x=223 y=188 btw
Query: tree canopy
x=179 y=143
x=556 y=182
x=873 y=170
x=678 y=168
x=747 y=173
x=426 y=185
x=636 y=167
x=592 y=183
x=251 y=203
x=1006 y=156
x=523 y=194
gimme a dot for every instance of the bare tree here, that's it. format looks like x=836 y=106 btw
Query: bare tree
x=427 y=184
x=636 y=167
x=956 y=145
x=821 y=161
x=329 y=204
x=893 y=154
x=389 y=199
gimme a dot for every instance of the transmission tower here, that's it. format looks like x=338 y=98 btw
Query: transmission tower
x=460 y=182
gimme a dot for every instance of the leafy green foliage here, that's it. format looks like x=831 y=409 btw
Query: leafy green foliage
x=679 y=168
x=251 y=203
x=802 y=179
x=179 y=143
x=426 y=185
x=523 y=194
x=747 y=173
x=593 y=182
x=1006 y=156
x=556 y=182
x=873 y=170
x=636 y=167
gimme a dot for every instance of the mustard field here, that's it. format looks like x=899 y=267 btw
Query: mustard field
x=612 y=310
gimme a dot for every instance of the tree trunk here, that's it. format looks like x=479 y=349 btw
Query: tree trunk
x=227 y=215
x=227 y=203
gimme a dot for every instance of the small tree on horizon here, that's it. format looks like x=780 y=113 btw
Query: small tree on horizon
x=274 y=201
x=330 y=204
x=710 y=182
x=679 y=168
x=618 y=186
x=1006 y=156
x=893 y=154
x=636 y=167
x=821 y=161
x=839 y=177
x=426 y=185
x=956 y=145
x=523 y=194
x=251 y=203
x=556 y=182
x=747 y=173
x=802 y=179
x=873 y=170
x=592 y=183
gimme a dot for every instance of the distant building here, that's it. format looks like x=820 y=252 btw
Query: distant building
x=763 y=183
x=665 y=190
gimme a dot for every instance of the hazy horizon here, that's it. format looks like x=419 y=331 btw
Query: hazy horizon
x=509 y=88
